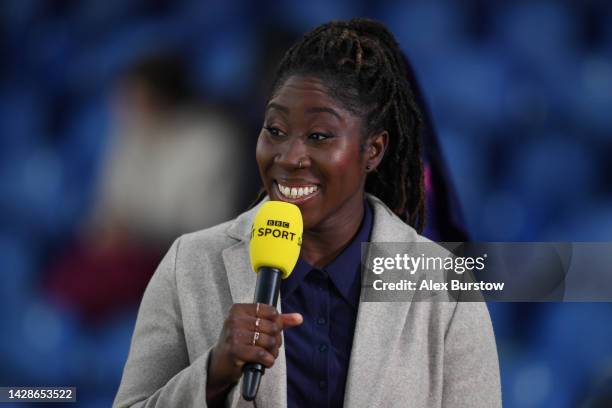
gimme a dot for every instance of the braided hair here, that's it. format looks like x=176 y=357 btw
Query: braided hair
x=361 y=64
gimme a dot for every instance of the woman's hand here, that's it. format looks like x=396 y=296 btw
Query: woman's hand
x=239 y=342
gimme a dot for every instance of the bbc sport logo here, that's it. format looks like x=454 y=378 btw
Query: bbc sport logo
x=275 y=223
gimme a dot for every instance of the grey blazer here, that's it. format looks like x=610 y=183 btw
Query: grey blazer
x=409 y=354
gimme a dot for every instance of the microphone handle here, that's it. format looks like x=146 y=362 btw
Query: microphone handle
x=266 y=291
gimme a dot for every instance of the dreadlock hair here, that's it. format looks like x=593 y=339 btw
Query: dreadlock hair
x=360 y=63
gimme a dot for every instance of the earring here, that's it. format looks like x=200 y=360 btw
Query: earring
x=300 y=164
x=368 y=168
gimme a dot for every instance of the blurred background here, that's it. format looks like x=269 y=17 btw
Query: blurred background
x=124 y=124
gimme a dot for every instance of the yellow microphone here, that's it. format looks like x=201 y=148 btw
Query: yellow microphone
x=276 y=237
x=276 y=240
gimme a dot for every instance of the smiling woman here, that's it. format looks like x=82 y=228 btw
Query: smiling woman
x=340 y=139
x=311 y=153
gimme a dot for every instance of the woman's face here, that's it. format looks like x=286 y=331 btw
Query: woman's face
x=308 y=153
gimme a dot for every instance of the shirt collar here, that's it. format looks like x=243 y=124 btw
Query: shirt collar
x=344 y=270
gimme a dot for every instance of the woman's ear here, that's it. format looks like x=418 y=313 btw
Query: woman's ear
x=376 y=146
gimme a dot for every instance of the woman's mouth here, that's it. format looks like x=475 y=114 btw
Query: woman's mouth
x=297 y=194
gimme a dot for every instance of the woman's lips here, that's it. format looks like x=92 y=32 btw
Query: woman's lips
x=296 y=194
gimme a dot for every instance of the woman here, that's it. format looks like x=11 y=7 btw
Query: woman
x=340 y=140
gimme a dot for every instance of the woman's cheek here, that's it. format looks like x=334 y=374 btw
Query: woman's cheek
x=262 y=153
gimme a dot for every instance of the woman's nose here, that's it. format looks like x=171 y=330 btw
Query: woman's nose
x=292 y=154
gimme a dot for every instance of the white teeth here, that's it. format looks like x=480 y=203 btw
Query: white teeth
x=296 y=192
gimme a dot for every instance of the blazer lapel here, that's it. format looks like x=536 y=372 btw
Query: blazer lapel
x=242 y=280
x=240 y=276
x=379 y=324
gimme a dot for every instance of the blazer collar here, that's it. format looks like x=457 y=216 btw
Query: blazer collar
x=378 y=323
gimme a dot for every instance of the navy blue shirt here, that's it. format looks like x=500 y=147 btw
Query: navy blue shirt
x=318 y=351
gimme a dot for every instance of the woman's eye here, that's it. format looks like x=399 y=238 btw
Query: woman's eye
x=276 y=132
x=319 y=136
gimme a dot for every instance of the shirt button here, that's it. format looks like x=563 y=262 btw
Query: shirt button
x=321 y=321
x=323 y=347
x=322 y=384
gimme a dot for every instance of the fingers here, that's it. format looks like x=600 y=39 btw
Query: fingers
x=251 y=333
x=254 y=309
x=262 y=310
x=291 y=319
x=253 y=324
x=270 y=342
x=265 y=326
x=267 y=320
x=253 y=354
x=254 y=333
x=264 y=340
x=248 y=346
